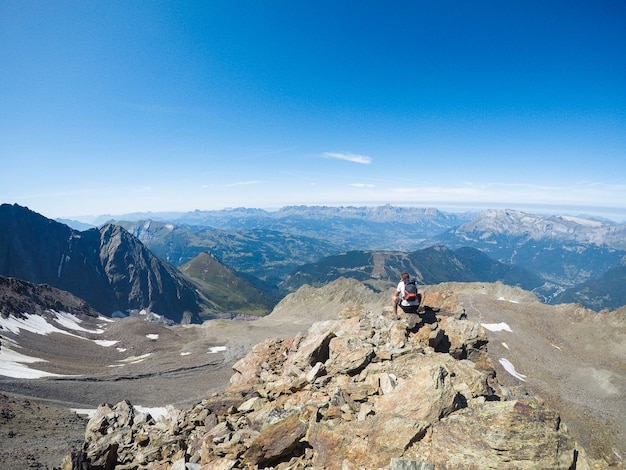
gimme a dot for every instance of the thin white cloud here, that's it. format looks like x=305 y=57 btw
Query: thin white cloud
x=361 y=185
x=242 y=183
x=349 y=157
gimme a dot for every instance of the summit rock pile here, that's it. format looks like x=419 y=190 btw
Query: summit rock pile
x=365 y=391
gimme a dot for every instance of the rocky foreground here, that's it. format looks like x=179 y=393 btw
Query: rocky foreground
x=364 y=391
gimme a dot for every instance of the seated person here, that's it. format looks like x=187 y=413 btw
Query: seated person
x=409 y=301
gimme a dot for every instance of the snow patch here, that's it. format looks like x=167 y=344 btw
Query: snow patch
x=152 y=336
x=505 y=345
x=216 y=349
x=507 y=300
x=105 y=343
x=12 y=364
x=185 y=353
x=71 y=322
x=497 y=327
x=135 y=359
x=150 y=315
x=156 y=412
x=33 y=323
x=511 y=369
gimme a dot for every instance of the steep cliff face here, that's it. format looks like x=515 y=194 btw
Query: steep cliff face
x=367 y=390
x=141 y=280
x=107 y=267
x=32 y=247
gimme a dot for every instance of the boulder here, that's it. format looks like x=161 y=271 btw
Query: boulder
x=517 y=434
x=275 y=441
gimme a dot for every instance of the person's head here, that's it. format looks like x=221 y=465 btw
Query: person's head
x=405 y=277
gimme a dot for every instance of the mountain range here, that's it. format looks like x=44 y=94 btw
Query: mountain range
x=433 y=265
x=346 y=228
x=568 y=355
x=565 y=253
x=249 y=259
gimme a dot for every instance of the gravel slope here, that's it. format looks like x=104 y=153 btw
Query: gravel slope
x=572 y=358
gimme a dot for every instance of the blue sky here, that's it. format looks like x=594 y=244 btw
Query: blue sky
x=114 y=107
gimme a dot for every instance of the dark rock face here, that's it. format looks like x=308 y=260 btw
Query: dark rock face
x=140 y=279
x=107 y=267
x=18 y=297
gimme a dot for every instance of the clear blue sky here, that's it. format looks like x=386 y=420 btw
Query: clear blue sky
x=109 y=107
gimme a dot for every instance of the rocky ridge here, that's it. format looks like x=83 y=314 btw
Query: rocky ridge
x=366 y=390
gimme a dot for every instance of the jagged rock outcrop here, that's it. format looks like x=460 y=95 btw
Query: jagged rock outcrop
x=364 y=391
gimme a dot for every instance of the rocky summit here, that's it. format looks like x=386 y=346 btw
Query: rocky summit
x=367 y=390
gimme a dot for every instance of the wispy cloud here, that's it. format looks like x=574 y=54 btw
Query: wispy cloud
x=361 y=185
x=242 y=183
x=349 y=157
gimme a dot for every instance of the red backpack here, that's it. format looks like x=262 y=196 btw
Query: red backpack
x=410 y=290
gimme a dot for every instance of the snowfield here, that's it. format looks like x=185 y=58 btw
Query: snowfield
x=16 y=364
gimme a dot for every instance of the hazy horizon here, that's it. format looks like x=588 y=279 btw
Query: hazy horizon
x=451 y=209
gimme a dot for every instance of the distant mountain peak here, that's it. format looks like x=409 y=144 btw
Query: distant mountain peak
x=517 y=223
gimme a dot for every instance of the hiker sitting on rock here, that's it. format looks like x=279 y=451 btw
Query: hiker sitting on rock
x=406 y=295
